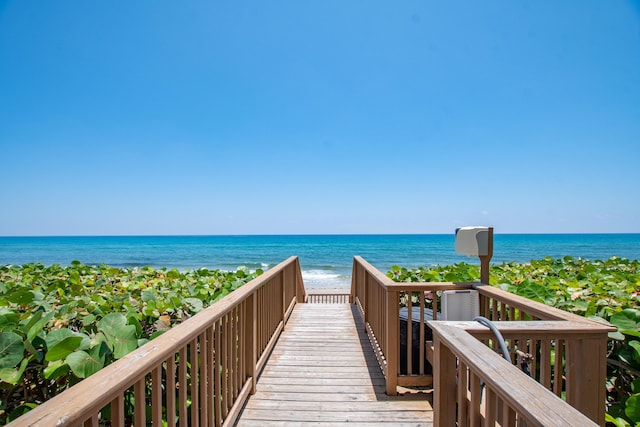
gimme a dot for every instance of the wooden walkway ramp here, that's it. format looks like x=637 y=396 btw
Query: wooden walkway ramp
x=323 y=372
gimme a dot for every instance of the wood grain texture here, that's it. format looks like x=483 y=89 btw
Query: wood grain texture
x=324 y=372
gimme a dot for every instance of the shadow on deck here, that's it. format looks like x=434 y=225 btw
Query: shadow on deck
x=323 y=370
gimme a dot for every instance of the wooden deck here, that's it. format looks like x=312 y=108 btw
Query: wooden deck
x=323 y=372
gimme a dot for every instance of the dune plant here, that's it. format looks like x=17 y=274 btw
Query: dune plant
x=60 y=324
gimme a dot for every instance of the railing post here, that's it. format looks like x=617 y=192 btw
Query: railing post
x=444 y=384
x=300 y=290
x=586 y=365
x=251 y=339
x=486 y=259
x=392 y=350
x=283 y=298
x=354 y=282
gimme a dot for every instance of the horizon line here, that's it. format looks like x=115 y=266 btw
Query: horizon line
x=303 y=234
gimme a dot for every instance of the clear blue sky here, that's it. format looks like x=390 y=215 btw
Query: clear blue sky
x=332 y=116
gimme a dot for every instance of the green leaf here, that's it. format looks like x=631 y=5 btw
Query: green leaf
x=85 y=364
x=74 y=277
x=20 y=411
x=111 y=322
x=148 y=295
x=8 y=321
x=11 y=349
x=632 y=408
x=56 y=369
x=60 y=343
x=618 y=422
x=14 y=376
x=173 y=274
x=636 y=347
x=36 y=324
x=132 y=319
x=124 y=341
x=627 y=322
x=194 y=304
x=22 y=297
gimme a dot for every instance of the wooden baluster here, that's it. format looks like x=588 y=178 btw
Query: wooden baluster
x=193 y=350
x=217 y=374
x=156 y=396
x=202 y=377
x=476 y=395
x=558 y=374
x=171 y=391
x=117 y=411
x=226 y=395
x=140 y=409
x=211 y=395
x=463 y=399
x=491 y=403
x=183 y=387
x=545 y=363
x=508 y=416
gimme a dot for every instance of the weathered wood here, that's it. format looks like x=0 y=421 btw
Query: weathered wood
x=444 y=383
x=265 y=423
x=140 y=412
x=323 y=371
x=586 y=364
x=171 y=391
x=327 y=298
x=514 y=388
x=117 y=411
x=156 y=396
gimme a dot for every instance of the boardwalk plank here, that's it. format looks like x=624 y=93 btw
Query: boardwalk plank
x=323 y=372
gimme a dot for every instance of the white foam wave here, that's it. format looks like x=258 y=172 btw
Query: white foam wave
x=324 y=278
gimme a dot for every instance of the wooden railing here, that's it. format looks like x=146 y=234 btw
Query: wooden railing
x=564 y=361
x=198 y=373
x=475 y=386
x=379 y=299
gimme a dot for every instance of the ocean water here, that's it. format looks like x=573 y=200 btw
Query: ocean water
x=325 y=260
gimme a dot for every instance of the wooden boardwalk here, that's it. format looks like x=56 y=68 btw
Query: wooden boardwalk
x=323 y=372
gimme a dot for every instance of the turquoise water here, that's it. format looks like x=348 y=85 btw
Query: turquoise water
x=325 y=259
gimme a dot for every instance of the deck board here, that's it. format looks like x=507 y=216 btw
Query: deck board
x=323 y=372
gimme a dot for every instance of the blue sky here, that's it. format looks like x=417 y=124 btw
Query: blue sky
x=296 y=117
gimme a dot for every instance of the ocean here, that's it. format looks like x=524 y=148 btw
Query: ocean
x=325 y=260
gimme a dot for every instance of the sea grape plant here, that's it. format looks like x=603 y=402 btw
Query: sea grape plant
x=61 y=324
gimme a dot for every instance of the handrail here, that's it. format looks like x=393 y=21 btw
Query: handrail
x=509 y=398
x=534 y=309
x=209 y=363
x=582 y=361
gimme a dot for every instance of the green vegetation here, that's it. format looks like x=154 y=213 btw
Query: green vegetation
x=61 y=324
x=608 y=290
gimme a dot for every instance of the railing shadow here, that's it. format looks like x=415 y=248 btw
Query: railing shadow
x=375 y=371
